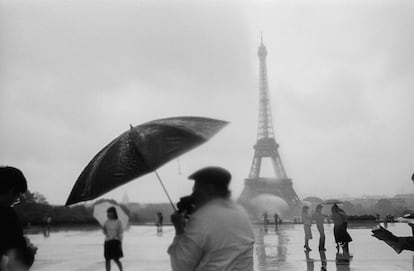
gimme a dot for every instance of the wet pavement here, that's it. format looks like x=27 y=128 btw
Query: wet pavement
x=275 y=249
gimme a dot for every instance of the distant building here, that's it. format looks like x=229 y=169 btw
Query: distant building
x=134 y=207
x=367 y=203
x=406 y=199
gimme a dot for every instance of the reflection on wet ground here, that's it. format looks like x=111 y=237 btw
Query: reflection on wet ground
x=275 y=249
x=282 y=249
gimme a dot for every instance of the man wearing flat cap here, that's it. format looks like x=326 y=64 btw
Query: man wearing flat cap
x=218 y=235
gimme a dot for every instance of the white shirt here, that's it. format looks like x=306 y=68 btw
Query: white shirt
x=218 y=237
x=113 y=229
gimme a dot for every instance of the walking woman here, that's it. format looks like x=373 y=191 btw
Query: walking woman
x=307 y=223
x=113 y=239
x=342 y=237
x=319 y=219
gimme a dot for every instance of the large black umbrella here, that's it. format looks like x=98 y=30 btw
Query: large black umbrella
x=140 y=150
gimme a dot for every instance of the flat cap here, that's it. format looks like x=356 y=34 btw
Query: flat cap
x=215 y=175
x=12 y=178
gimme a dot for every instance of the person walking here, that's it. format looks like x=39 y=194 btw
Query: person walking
x=307 y=223
x=113 y=239
x=276 y=218
x=159 y=222
x=265 y=218
x=218 y=235
x=342 y=237
x=319 y=220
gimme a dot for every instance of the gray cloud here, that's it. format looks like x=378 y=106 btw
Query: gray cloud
x=75 y=74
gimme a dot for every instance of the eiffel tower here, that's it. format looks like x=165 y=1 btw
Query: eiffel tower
x=266 y=147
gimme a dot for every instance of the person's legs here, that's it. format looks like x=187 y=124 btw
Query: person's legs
x=119 y=264
x=322 y=241
x=108 y=265
x=308 y=235
x=345 y=249
x=306 y=246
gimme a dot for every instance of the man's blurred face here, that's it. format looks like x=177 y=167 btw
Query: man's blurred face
x=9 y=262
x=202 y=193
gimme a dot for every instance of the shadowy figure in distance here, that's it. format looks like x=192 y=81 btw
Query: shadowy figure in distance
x=159 y=222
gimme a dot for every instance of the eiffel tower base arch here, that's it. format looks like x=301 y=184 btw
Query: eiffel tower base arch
x=281 y=188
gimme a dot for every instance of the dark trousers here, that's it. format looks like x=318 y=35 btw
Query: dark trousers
x=321 y=240
x=321 y=237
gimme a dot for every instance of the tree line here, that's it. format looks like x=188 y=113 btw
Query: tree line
x=34 y=210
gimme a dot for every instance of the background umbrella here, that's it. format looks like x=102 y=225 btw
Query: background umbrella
x=407 y=218
x=332 y=201
x=140 y=150
x=99 y=213
x=313 y=200
x=306 y=203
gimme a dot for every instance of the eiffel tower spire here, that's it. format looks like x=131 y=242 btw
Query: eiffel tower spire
x=266 y=147
x=265 y=126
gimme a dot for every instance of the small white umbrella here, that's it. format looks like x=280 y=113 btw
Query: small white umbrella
x=99 y=213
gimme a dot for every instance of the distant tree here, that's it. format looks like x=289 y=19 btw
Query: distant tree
x=359 y=209
x=106 y=200
x=39 y=198
x=27 y=197
x=33 y=197
x=349 y=208
x=384 y=207
x=361 y=218
x=123 y=206
x=147 y=213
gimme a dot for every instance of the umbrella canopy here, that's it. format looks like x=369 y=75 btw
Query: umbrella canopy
x=332 y=201
x=140 y=150
x=306 y=203
x=407 y=218
x=313 y=200
x=99 y=213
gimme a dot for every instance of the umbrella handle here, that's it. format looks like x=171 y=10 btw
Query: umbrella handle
x=165 y=190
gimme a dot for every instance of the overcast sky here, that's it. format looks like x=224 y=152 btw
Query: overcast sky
x=75 y=74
